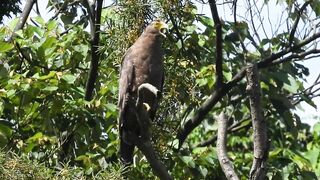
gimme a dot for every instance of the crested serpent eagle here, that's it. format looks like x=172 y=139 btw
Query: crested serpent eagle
x=142 y=63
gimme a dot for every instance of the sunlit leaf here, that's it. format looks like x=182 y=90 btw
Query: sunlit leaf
x=50 y=88
x=69 y=78
x=4 y=46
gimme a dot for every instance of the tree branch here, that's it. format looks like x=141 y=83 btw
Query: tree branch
x=252 y=22
x=143 y=140
x=295 y=25
x=260 y=139
x=24 y=15
x=295 y=56
x=95 y=20
x=218 y=26
x=272 y=57
x=176 y=28
x=308 y=92
x=64 y=6
x=235 y=127
x=205 y=108
x=224 y=160
x=218 y=93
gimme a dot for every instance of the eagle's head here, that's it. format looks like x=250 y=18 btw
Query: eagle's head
x=157 y=26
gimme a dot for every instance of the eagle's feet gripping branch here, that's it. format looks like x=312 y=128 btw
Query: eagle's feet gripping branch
x=142 y=140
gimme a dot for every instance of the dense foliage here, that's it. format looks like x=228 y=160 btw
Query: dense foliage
x=8 y=8
x=44 y=68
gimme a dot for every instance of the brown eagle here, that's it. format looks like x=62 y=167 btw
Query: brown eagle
x=142 y=63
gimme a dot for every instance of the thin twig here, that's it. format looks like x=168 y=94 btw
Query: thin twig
x=252 y=22
x=296 y=22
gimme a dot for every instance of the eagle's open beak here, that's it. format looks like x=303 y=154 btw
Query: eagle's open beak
x=163 y=29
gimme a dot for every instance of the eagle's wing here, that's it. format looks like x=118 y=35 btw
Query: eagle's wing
x=125 y=86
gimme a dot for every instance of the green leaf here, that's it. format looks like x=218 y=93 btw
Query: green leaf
x=3 y=140
x=227 y=75
x=35 y=137
x=11 y=93
x=69 y=78
x=208 y=22
x=293 y=86
x=312 y=156
x=5 y=130
x=188 y=160
x=39 y=20
x=49 y=42
x=13 y=23
x=202 y=82
x=4 y=46
x=49 y=76
x=3 y=71
x=78 y=90
x=50 y=88
x=315 y=5
x=111 y=107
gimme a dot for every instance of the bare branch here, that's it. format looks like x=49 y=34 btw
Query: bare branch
x=295 y=25
x=24 y=15
x=37 y=8
x=252 y=22
x=224 y=160
x=260 y=141
x=233 y=128
x=272 y=57
x=295 y=56
x=308 y=92
x=63 y=7
x=218 y=26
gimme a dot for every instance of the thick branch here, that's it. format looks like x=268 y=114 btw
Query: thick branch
x=24 y=15
x=146 y=148
x=218 y=26
x=202 y=111
x=224 y=160
x=95 y=34
x=143 y=141
x=260 y=139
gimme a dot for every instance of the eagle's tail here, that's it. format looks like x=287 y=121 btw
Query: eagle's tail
x=126 y=152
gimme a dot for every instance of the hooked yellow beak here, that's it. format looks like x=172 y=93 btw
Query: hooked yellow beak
x=161 y=26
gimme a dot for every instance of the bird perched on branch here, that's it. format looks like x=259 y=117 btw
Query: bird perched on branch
x=142 y=63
